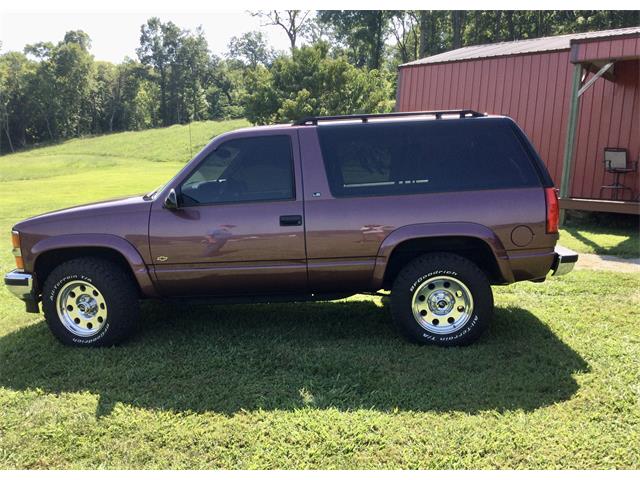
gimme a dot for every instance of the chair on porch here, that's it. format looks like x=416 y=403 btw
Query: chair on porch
x=615 y=161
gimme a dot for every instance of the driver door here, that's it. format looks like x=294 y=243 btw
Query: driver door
x=239 y=228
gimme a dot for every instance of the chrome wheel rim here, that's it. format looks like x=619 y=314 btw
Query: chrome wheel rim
x=442 y=305
x=82 y=308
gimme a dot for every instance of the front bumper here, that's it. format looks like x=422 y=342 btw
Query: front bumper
x=21 y=285
x=564 y=261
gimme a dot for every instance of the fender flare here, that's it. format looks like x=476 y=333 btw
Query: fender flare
x=442 y=229
x=100 y=240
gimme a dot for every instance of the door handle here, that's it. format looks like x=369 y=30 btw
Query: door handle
x=290 y=220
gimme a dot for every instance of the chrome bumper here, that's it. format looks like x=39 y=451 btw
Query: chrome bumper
x=564 y=261
x=21 y=285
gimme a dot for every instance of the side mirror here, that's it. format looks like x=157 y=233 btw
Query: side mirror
x=171 y=202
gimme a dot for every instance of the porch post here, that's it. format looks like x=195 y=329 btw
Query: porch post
x=574 y=109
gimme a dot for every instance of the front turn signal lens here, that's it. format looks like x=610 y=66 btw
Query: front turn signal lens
x=15 y=239
x=17 y=253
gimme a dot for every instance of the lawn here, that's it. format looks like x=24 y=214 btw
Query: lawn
x=587 y=237
x=555 y=383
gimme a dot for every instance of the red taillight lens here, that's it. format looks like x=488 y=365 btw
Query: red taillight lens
x=553 y=210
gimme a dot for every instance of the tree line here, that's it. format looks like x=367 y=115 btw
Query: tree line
x=338 y=62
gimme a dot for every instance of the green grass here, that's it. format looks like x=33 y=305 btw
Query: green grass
x=555 y=383
x=602 y=240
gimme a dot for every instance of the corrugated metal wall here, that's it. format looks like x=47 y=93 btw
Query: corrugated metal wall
x=534 y=90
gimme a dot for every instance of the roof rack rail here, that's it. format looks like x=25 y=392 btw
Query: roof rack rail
x=364 y=117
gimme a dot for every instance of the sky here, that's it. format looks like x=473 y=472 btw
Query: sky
x=116 y=35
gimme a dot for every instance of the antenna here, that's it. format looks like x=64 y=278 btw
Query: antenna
x=190 y=151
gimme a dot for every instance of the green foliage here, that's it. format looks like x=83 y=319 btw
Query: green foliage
x=590 y=237
x=312 y=83
x=251 y=49
x=62 y=85
x=15 y=72
x=56 y=91
x=361 y=33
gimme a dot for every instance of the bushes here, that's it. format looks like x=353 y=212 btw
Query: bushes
x=310 y=82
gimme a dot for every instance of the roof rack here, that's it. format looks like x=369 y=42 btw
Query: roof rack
x=364 y=117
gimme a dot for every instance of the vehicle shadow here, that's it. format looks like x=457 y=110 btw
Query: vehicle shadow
x=626 y=248
x=342 y=355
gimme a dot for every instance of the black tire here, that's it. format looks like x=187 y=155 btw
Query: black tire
x=415 y=277
x=117 y=293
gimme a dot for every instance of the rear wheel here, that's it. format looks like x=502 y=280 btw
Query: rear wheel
x=90 y=302
x=442 y=299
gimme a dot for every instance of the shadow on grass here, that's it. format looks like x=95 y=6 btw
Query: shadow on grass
x=344 y=355
x=629 y=247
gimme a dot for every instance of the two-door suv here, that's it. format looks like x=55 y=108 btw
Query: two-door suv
x=434 y=206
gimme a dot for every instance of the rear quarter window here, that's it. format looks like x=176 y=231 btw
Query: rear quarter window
x=394 y=158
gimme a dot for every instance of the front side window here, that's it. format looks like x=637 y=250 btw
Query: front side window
x=243 y=170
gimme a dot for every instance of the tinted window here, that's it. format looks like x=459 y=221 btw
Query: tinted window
x=389 y=158
x=243 y=170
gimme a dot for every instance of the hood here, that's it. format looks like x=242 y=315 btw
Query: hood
x=94 y=210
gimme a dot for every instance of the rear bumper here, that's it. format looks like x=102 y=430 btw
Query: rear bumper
x=21 y=285
x=564 y=261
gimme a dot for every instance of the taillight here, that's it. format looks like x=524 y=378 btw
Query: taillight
x=17 y=253
x=553 y=209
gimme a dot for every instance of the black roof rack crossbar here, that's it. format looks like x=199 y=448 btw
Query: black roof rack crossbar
x=366 y=116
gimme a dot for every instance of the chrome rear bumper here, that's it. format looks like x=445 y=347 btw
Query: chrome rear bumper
x=21 y=285
x=564 y=261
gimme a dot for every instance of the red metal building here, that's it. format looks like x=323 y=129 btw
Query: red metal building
x=574 y=95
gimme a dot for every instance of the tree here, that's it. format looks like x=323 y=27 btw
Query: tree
x=311 y=83
x=362 y=33
x=57 y=90
x=15 y=70
x=251 y=49
x=158 y=49
x=404 y=27
x=78 y=37
x=133 y=77
x=457 y=27
x=225 y=89
x=194 y=70
x=61 y=84
x=293 y=22
x=435 y=34
x=106 y=96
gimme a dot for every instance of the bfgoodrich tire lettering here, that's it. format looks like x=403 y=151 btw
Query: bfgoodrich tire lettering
x=442 y=299
x=116 y=294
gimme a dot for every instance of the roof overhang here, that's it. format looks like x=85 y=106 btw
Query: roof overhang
x=623 y=41
x=594 y=53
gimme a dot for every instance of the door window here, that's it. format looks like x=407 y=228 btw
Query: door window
x=250 y=169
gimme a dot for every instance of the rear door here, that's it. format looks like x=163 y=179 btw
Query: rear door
x=239 y=228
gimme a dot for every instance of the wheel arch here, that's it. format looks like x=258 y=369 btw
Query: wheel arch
x=470 y=240
x=52 y=251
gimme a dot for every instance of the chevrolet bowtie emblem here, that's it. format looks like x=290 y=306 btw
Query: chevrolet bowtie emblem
x=162 y=258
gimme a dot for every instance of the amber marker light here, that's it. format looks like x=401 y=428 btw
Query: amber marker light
x=15 y=243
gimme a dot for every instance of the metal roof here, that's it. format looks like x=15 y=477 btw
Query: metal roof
x=518 y=47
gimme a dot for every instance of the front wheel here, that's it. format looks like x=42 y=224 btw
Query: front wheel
x=442 y=299
x=90 y=302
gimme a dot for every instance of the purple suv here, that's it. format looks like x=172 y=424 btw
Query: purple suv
x=434 y=206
